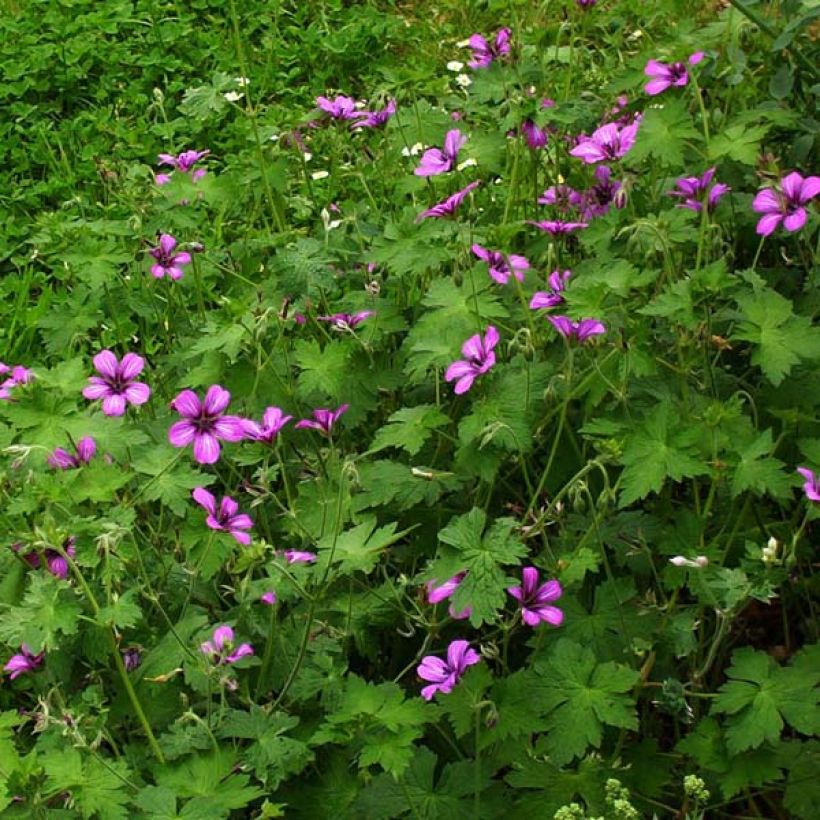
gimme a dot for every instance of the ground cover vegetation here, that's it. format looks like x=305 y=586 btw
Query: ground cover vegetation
x=409 y=409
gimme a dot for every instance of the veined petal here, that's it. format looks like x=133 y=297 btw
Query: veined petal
x=131 y=366
x=114 y=404
x=204 y=498
x=137 y=393
x=792 y=184
x=106 y=364
x=766 y=201
x=550 y=614
x=768 y=224
x=97 y=388
x=458 y=369
x=216 y=400
x=473 y=348
x=187 y=403
x=228 y=508
x=796 y=220
x=229 y=428
x=182 y=433
x=206 y=448
x=433 y=669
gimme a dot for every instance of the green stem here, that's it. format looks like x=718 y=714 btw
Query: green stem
x=771 y=31
x=115 y=651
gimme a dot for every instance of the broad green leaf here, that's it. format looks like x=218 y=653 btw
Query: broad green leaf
x=760 y=697
x=580 y=696
x=657 y=450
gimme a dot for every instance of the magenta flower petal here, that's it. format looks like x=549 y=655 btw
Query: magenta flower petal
x=137 y=393
x=182 y=433
x=106 y=364
x=216 y=400
x=205 y=499
x=206 y=448
x=114 y=405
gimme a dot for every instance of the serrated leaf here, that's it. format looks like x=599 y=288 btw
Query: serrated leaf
x=663 y=134
x=738 y=142
x=409 y=428
x=760 y=697
x=659 y=449
x=483 y=555
x=48 y=609
x=781 y=339
x=358 y=549
x=580 y=697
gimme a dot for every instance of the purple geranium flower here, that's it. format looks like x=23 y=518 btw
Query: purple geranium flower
x=448 y=206
x=323 y=419
x=61 y=459
x=19 y=375
x=204 y=424
x=26 y=661
x=273 y=420
x=586 y=4
x=693 y=189
x=374 y=119
x=444 y=675
x=535 y=600
x=183 y=162
x=787 y=205
x=812 y=486
x=167 y=262
x=484 y=53
x=607 y=143
x=339 y=108
x=581 y=331
x=116 y=384
x=501 y=267
x=534 y=136
x=478 y=359
x=56 y=563
x=219 y=648
x=551 y=298
x=131 y=659
x=556 y=227
x=268 y=597
x=440 y=592
x=562 y=196
x=346 y=321
x=437 y=161
x=663 y=75
x=226 y=518
x=596 y=200
x=299 y=556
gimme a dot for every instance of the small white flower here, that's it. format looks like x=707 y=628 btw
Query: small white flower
x=308 y=156
x=274 y=138
x=769 y=553
x=468 y=163
x=462 y=43
x=413 y=150
x=330 y=224
x=241 y=81
x=233 y=96
x=320 y=175
x=697 y=563
x=455 y=65
x=463 y=81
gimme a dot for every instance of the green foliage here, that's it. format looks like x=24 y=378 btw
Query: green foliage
x=760 y=697
x=650 y=470
x=581 y=696
x=483 y=555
